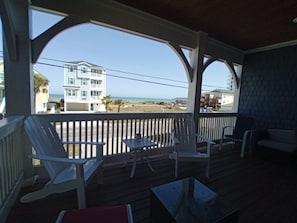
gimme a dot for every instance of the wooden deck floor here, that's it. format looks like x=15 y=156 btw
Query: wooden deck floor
x=262 y=190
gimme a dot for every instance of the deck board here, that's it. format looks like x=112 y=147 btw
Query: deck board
x=262 y=190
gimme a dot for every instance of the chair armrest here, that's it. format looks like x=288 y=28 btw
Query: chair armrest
x=207 y=140
x=59 y=159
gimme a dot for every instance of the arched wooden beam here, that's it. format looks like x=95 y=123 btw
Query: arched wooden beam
x=229 y=64
x=40 y=41
x=208 y=62
x=231 y=67
x=9 y=31
x=183 y=58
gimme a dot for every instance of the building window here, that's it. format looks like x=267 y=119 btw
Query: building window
x=68 y=92
x=70 y=80
x=84 y=93
x=95 y=82
x=83 y=69
x=71 y=92
x=71 y=68
x=84 y=81
x=95 y=93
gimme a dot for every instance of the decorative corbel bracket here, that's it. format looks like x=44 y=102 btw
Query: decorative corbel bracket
x=183 y=59
x=40 y=41
x=230 y=66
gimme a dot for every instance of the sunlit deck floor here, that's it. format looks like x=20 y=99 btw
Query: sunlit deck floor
x=262 y=190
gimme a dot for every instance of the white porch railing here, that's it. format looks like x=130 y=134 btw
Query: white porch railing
x=11 y=162
x=211 y=124
x=112 y=128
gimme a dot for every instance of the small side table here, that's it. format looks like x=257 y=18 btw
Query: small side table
x=138 y=145
x=189 y=201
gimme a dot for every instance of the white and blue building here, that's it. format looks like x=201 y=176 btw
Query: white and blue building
x=84 y=87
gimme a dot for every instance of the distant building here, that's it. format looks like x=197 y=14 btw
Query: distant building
x=180 y=102
x=84 y=86
x=218 y=99
x=42 y=95
x=230 y=82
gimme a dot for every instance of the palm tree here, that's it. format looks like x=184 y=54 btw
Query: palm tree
x=39 y=82
x=106 y=101
x=119 y=103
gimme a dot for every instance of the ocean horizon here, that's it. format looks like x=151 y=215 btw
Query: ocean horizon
x=131 y=99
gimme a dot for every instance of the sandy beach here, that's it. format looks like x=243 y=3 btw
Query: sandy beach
x=138 y=106
x=146 y=107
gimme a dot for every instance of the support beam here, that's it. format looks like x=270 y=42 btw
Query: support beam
x=8 y=29
x=194 y=91
x=40 y=41
x=18 y=73
x=118 y=16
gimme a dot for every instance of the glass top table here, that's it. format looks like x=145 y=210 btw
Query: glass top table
x=138 y=145
x=187 y=201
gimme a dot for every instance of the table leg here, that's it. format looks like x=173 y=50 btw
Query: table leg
x=141 y=151
x=134 y=165
x=149 y=163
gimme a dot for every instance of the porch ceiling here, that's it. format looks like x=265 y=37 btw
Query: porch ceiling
x=245 y=24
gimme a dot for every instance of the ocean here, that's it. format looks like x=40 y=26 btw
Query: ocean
x=58 y=97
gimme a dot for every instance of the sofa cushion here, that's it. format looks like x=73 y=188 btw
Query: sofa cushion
x=282 y=135
x=286 y=147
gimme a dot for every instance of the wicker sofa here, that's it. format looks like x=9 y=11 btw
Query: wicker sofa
x=276 y=144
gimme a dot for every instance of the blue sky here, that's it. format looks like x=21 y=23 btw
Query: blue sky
x=120 y=51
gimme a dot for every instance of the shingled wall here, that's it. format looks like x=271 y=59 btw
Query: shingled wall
x=269 y=88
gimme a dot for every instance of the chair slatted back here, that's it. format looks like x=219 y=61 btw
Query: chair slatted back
x=46 y=141
x=185 y=132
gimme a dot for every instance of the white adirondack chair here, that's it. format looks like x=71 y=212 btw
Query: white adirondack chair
x=185 y=141
x=65 y=174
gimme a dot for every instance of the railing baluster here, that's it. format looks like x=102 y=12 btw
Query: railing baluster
x=91 y=129
x=11 y=162
x=86 y=139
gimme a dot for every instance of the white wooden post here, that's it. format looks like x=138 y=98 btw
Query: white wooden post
x=18 y=66
x=194 y=90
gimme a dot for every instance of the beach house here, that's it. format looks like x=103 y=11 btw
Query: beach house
x=84 y=86
x=41 y=91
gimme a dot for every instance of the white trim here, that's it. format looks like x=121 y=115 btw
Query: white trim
x=271 y=47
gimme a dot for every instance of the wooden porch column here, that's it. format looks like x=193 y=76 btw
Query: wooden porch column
x=194 y=89
x=17 y=65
